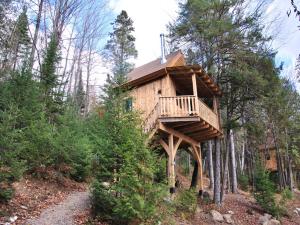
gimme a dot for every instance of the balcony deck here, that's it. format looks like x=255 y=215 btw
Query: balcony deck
x=186 y=114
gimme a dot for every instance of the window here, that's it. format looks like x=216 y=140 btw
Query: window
x=128 y=104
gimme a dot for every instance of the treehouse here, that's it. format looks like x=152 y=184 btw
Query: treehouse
x=179 y=104
x=267 y=153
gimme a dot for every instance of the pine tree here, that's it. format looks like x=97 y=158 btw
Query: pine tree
x=20 y=41
x=124 y=161
x=80 y=94
x=48 y=77
x=120 y=48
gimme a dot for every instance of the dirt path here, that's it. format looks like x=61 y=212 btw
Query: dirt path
x=63 y=213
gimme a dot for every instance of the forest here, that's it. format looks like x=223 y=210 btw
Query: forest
x=65 y=115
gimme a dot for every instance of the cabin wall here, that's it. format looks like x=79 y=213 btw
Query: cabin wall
x=145 y=97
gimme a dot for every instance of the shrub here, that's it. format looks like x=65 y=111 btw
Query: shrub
x=243 y=182
x=264 y=193
x=6 y=194
x=103 y=201
x=186 y=201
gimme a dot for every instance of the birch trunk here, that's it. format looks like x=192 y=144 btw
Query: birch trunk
x=233 y=163
x=217 y=181
x=211 y=166
x=36 y=32
x=225 y=173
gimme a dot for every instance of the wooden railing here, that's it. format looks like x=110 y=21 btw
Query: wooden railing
x=207 y=114
x=187 y=106
x=150 y=121
x=180 y=106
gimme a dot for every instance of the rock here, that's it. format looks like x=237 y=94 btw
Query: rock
x=265 y=218
x=227 y=218
x=230 y=212
x=24 y=207
x=105 y=184
x=216 y=216
x=268 y=215
x=272 y=222
x=198 y=210
x=13 y=219
x=250 y=211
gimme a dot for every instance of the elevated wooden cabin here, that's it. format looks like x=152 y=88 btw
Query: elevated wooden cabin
x=267 y=153
x=179 y=103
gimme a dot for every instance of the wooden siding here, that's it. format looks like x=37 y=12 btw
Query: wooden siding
x=145 y=97
x=269 y=159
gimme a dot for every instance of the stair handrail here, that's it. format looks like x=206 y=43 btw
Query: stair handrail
x=152 y=116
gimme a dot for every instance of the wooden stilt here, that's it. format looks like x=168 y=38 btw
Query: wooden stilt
x=171 y=150
x=198 y=158
x=171 y=164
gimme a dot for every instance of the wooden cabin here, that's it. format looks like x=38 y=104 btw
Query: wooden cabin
x=267 y=153
x=179 y=103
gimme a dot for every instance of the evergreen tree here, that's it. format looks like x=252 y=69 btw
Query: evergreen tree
x=120 y=48
x=49 y=79
x=20 y=41
x=80 y=94
x=124 y=161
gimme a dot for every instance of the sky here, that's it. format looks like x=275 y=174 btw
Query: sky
x=151 y=17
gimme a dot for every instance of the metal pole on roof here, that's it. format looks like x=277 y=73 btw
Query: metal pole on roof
x=163 y=53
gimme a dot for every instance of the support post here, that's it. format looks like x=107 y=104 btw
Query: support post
x=171 y=164
x=195 y=92
x=198 y=158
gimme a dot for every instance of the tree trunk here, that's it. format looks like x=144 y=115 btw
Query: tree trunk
x=217 y=181
x=36 y=32
x=243 y=158
x=225 y=173
x=233 y=163
x=211 y=166
x=282 y=183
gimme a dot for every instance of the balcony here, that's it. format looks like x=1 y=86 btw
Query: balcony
x=186 y=114
x=186 y=108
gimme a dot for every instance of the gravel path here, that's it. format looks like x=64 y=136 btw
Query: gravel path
x=62 y=214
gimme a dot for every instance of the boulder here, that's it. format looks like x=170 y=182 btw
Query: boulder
x=227 y=218
x=12 y=219
x=198 y=210
x=230 y=212
x=265 y=218
x=216 y=216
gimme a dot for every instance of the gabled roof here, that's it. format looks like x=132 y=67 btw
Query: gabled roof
x=173 y=59
x=176 y=67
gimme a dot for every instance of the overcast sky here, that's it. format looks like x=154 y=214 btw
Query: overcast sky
x=150 y=19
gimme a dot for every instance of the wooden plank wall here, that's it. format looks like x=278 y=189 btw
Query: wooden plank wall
x=145 y=97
